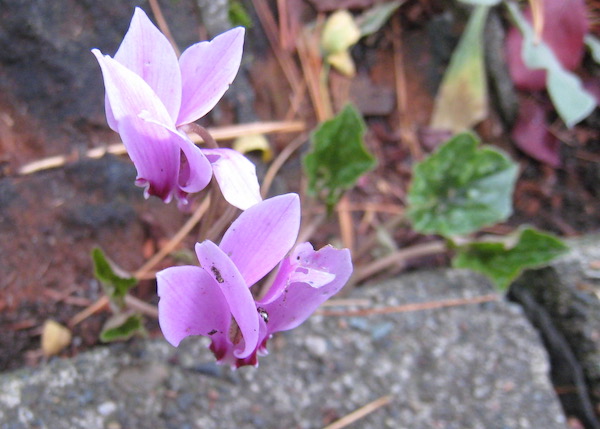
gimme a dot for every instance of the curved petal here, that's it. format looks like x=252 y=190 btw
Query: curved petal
x=236 y=177
x=191 y=304
x=262 y=235
x=238 y=296
x=129 y=94
x=155 y=154
x=308 y=279
x=147 y=52
x=195 y=171
x=145 y=127
x=110 y=118
x=207 y=70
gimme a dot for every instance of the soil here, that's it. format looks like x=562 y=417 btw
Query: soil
x=51 y=103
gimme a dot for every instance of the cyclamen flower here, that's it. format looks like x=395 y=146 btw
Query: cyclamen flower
x=150 y=95
x=215 y=300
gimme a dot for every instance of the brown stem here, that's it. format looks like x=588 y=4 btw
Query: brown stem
x=203 y=133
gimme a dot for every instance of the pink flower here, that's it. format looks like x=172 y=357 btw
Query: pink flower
x=215 y=300
x=150 y=95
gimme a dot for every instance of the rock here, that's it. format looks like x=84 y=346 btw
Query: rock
x=50 y=82
x=465 y=366
x=563 y=301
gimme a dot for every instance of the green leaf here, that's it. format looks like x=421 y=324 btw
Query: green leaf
x=502 y=263
x=116 y=283
x=338 y=156
x=593 y=44
x=572 y=102
x=461 y=188
x=462 y=99
x=122 y=327
x=374 y=18
x=238 y=14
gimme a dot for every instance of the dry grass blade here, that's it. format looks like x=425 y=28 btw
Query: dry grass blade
x=283 y=58
x=162 y=24
x=221 y=133
x=310 y=60
x=346 y=224
x=360 y=413
x=276 y=165
x=407 y=132
x=408 y=308
x=397 y=258
x=177 y=238
x=131 y=301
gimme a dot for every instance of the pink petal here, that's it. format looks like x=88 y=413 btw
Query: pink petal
x=145 y=128
x=236 y=177
x=532 y=136
x=565 y=25
x=191 y=303
x=155 y=154
x=231 y=283
x=110 y=118
x=195 y=170
x=207 y=70
x=305 y=281
x=148 y=53
x=128 y=93
x=262 y=235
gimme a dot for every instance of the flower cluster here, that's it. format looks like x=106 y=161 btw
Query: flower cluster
x=215 y=299
x=150 y=96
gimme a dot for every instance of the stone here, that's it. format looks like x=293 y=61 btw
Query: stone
x=462 y=366
x=563 y=302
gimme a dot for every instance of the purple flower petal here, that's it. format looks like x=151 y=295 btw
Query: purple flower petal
x=241 y=303
x=128 y=93
x=155 y=155
x=191 y=303
x=303 y=284
x=207 y=70
x=145 y=128
x=236 y=177
x=110 y=118
x=262 y=235
x=195 y=170
x=148 y=53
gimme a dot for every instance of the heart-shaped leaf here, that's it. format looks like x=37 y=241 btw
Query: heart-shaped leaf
x=461 y=188
x=338 y=156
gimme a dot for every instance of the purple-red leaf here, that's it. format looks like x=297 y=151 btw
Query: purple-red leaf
x=565 y=25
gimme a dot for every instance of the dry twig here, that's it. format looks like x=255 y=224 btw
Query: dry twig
x=221 y=133
x=360 y=413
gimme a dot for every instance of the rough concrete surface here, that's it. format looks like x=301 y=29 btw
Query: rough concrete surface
x=469 y=366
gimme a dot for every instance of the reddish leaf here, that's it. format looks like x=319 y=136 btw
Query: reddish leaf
x=565 y=25
x=531 y=134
